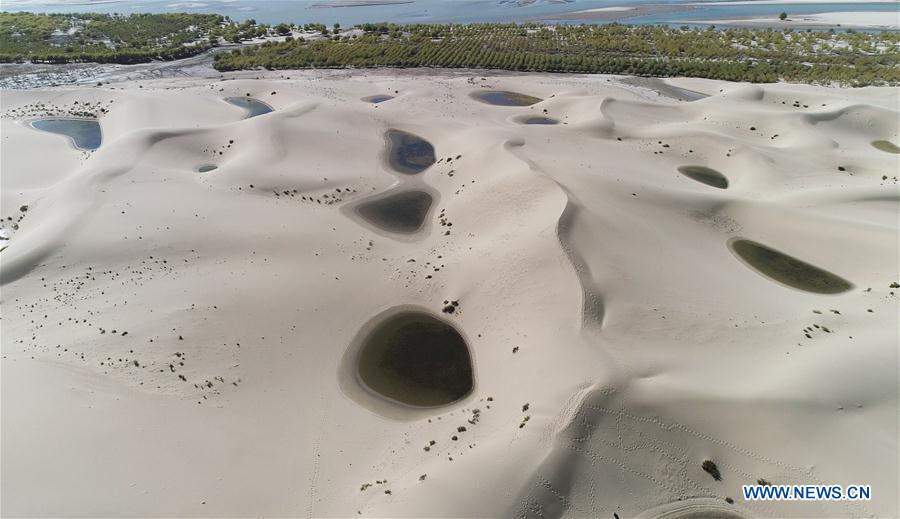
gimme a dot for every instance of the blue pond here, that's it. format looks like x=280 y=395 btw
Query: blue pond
x=539 y=120
x=254 y=107
x=84 y=133
x=407 y=153
x=380 y=98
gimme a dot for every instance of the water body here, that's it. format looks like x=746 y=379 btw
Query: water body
x=788 y=270
x=728 y=12
x=254 y=107
x=380 y=98
x=409 y=153
x=704 y=175
x=85 y=134
x=886 y=146
x=206 y=168
x=436 y=11
x=402 y=212
x=505 y=98
x=416 y=359
x=539 y=120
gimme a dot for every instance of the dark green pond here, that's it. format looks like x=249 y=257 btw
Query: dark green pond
x=416 y=359
x=380 y=98
x=704 y=175
x=402 y=212
x=206 y=168
x=408 y=153
x=539 y=120
x=254 y=107
x=84 y=133
x=886 y=146
x=788 y=270
x=505 y=98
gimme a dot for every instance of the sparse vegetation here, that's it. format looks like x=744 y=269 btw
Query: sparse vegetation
x=104 y=38
x=733 y=54
x=852 y=58
x=712 y=470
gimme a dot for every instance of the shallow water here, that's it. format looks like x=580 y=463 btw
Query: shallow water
x=253 y=106
x=416 y=359
x=435 y=11
x=788 y=270
x=84 y=133
x=206 y=168
x=408 y=153
x=402 y=212
x=505 y=98
x=539 y=120
x=704 y=175
x=380 y=98
x=886 y=146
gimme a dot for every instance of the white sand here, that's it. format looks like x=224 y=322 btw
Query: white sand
x=855 y=19
x=605 y=9
x=874 y=19
x=645 y=346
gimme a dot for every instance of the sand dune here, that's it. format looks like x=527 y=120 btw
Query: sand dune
x=186 y=343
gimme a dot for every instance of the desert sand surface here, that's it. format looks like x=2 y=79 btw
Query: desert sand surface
x=187 y=343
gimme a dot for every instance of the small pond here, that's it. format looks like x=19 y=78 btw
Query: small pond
x=85 y=134
x=886 y=146
x=416 y=359
x=538 y=119
x=379 y=98
x=505 y=98
x=403 y=212
x=253 y=106
x=704 y=175
x=408 y=153
x=788 y=270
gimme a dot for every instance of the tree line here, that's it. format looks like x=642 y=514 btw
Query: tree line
x=732 y=54
x=755 y=55
x=104 y=38
x=135 y=38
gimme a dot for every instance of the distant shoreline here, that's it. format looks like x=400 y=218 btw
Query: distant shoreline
x=837 y=19
x=334 y=4
x=616 y=12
